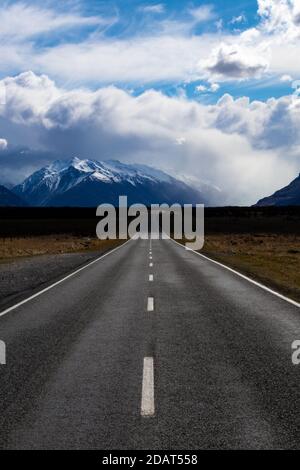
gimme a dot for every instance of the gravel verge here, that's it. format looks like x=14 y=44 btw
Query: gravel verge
x=23 y=276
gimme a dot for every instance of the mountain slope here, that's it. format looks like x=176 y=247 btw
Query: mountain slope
x=9 y=199
x=86 y=183
x=288 y=196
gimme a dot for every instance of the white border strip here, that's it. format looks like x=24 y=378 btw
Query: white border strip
x=258 y=284
x=14 y=307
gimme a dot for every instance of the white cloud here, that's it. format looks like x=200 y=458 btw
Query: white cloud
x=246 y=149
x=214 y=87
x=280 y=16
x=143 y=60
x=296 y=12
x=233 y=61
x=180 y=141
x=157 y=8
x=273 y=124
x=286 y=78
x=167 y=49
x=27 y=97
x=3 y=144
x=278 y=32
x=20 y=21
x=272 y=47
x=203 y=13
x=238 y=19
x=201 y=88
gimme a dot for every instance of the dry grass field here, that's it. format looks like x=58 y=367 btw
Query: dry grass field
x=16 y=247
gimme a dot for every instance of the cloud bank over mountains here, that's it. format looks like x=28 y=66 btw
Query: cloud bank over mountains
x=98 y=88
x=245 y=148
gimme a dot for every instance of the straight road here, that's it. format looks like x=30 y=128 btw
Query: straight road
x=151 y=347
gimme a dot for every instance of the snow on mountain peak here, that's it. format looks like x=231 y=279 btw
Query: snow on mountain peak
x=85 y=182
x=109 y=170
x=61 y=175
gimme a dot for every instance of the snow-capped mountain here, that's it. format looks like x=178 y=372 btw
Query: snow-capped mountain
x=85 y=183
x=9 y=199
x=288 y=196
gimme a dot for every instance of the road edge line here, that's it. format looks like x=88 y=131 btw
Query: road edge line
x=252 y=281
x=25 y=301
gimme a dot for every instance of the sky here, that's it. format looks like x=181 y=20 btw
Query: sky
x=205 y=90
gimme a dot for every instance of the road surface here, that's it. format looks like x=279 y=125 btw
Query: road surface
x=150 y=347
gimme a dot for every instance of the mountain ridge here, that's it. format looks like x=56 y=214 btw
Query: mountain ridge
x=9 y=198
x=84 y=182
x=287 y=196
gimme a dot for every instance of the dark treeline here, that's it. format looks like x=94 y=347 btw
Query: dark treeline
x=82 y=221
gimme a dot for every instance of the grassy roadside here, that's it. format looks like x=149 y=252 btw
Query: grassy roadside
x=273 y=259
x=17 y=247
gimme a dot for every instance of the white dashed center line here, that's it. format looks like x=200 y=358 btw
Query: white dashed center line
x=151 y=277
x=147 y=406
x=151 y=265
x=150 y=304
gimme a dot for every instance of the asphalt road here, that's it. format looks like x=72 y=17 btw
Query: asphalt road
x=183 y=354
